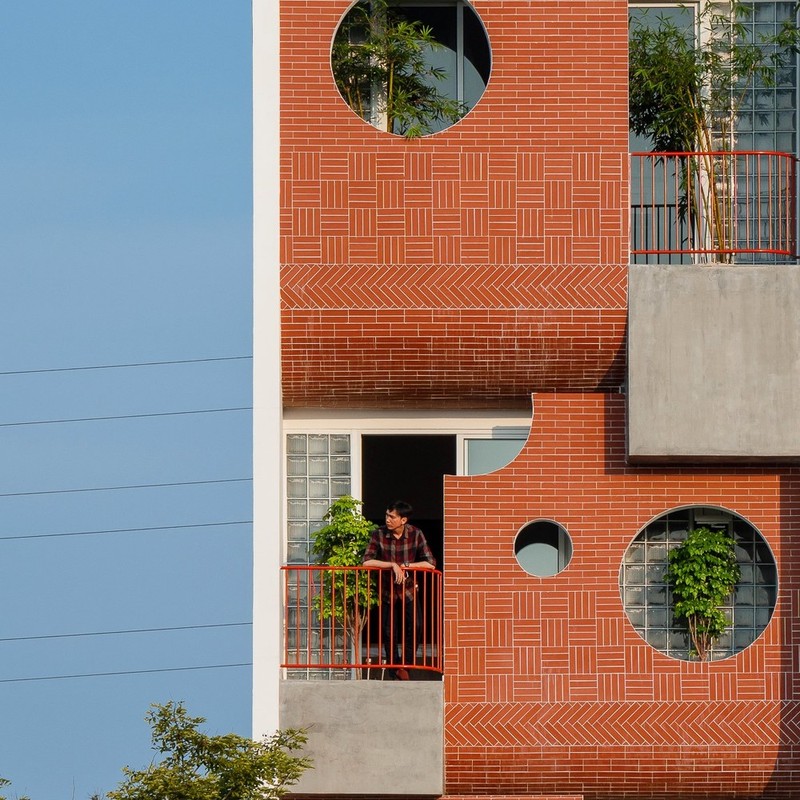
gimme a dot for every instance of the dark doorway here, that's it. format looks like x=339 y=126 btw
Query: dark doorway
x=410 y=468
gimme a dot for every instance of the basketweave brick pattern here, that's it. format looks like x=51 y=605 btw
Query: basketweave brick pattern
x=521 y=208
x=548 y=688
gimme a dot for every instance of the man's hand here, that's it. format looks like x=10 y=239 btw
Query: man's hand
x=399 y=573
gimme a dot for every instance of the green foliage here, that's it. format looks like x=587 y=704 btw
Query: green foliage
x=341 y=543
x=197 y=766
x=702 y=574
x=687 y=89
x=686 y=94
x=347 y=595
x=381 y=68
x=6 y=782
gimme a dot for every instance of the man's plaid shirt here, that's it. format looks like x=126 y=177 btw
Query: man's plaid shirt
x=409 y=548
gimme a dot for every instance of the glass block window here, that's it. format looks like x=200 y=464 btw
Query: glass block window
x=648 y=601
x=767 y=121
x=317 y=472
x=768 y=118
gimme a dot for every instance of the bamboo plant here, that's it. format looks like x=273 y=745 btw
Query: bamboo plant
x=688 y=88
x=380 y=62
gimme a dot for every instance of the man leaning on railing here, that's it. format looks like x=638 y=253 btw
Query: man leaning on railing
x=399 y=546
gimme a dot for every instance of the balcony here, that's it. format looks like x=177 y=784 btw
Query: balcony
x=340 y=685
x=340 y=622
x=716 y=207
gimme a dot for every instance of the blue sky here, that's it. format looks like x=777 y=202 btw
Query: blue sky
x=125 y=234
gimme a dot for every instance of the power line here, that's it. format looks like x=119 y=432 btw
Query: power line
x=130 y=486
x=125 y=416
x=127 y=530
x=125 y=672
x=125 y=366
x=127 y=631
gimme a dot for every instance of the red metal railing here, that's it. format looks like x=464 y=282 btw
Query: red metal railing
x=722 y=206
x=357 y=618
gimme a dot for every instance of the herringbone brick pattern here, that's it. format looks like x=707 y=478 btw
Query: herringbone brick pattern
x=722 y=723
x=563 y=286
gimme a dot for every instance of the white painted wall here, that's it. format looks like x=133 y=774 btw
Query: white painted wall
x=267 y=436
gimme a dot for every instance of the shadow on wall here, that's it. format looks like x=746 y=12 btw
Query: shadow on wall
x=615 y=377
x=783 y=783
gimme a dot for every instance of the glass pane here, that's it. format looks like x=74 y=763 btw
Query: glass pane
x=340 y=444
x=319 y=487
x=298 y=509
x=339 y=487
x=296 y=443
x=318 y=465
x=297 y=531
x=318 y=444
x=488 y=455
x=297 y=487
x=538 y=558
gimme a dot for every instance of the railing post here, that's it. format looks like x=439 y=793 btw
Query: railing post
x=730 y=206
x=336 y=616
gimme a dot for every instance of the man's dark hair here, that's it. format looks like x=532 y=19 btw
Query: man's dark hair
x=402 y=508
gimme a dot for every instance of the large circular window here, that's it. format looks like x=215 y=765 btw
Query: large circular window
x=647 y=598
x=411 y=69
x=543 y=548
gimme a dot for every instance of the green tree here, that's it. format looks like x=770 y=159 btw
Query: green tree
x=687 y=92
x=5 y=782
x=345 y=595
x=702 y=574
x=380 y=62
x=197 y=766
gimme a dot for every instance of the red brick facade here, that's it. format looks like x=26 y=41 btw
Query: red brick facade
x=469 y=269
x=547 y=686
x=473 y=266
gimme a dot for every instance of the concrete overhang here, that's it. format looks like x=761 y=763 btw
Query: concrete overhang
x=713 y=363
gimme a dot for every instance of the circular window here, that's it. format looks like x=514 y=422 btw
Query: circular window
x=408 y=68
x=648 y=600
x=543 y=548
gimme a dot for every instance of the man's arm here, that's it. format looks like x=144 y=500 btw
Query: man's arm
x=421 y=565
x=424 y=554
x=370 y=559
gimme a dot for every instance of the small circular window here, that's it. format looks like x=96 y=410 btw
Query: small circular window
x=648 y=599
x=543 y=548
x=408 y=68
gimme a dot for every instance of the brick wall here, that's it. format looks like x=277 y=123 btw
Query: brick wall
x=548 y=688
x=472 y=266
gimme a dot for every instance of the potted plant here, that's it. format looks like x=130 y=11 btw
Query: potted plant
x=380 y=61
x=702 y=573
x=346 y=596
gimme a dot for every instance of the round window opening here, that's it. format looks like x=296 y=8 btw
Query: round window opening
x=650 y=600
x=411 y=69
x=543 y=548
